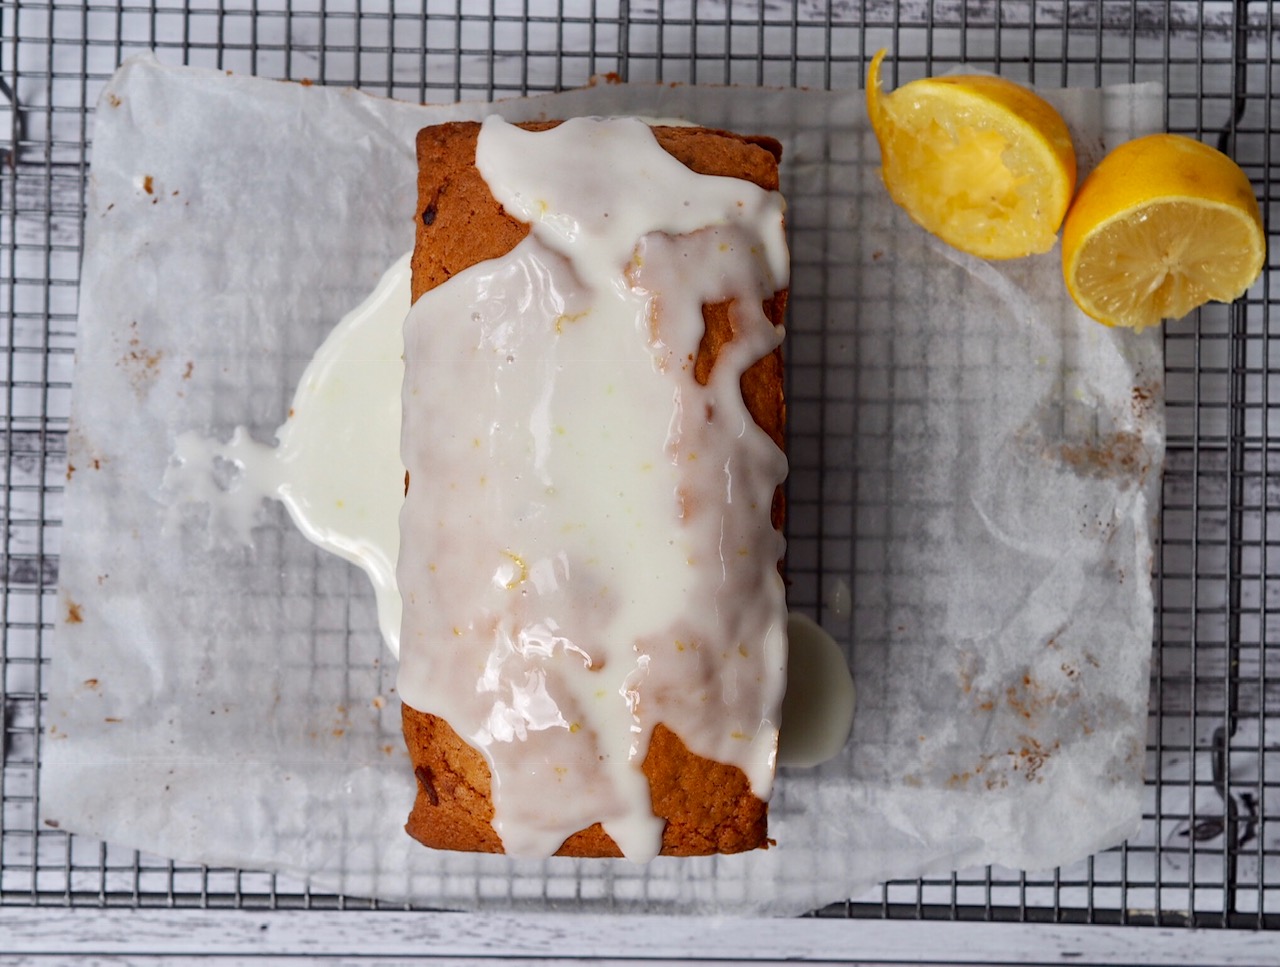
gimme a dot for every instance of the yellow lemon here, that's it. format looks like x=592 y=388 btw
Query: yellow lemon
x=1163 y=225
x=983 y=163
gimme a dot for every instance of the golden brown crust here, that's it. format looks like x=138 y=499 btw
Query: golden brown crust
x=708 y=805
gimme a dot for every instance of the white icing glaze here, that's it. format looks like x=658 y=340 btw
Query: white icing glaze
x=817 y=712
x=588 y=549
x=353 y=385
x=337 y=465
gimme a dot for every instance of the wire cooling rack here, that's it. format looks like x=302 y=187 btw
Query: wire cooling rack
x=1209 y=850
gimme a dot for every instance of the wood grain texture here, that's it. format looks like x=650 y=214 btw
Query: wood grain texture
x=52 y=935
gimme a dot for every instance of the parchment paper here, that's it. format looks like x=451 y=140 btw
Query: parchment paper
x=971 y=457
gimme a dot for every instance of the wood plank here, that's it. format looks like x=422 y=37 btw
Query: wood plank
x=136 y=936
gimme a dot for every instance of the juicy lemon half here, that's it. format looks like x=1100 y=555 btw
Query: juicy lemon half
x=1164 y=224
x=983 y=163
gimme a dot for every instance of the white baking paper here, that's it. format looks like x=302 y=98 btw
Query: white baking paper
x=971 y=458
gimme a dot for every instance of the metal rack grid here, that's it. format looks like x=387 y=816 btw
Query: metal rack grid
x=1209 y=850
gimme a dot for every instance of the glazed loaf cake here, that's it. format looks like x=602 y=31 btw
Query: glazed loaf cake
x=698 y=805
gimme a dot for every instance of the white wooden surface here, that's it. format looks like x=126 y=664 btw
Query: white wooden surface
x=54 y=935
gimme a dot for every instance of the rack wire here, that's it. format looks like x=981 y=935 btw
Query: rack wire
x=1209 y=850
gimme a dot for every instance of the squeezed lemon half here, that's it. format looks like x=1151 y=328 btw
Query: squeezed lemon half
x=983 y=163
x=1163 y=225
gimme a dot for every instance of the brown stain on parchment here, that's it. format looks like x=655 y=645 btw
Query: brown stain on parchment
x=1119 y=456
x=1143 y=400
x=1024 y=694
x=1034 y=697
x=141 y=365
x=1031 y=757
x=1030 y=697
x=996 y=770
x=1026 y=698
x=74 y=614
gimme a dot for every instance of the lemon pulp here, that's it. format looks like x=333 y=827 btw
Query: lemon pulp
x=981 y=162
x=1163 y=225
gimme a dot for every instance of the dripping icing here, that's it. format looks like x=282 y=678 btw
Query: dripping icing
x=336 y=466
